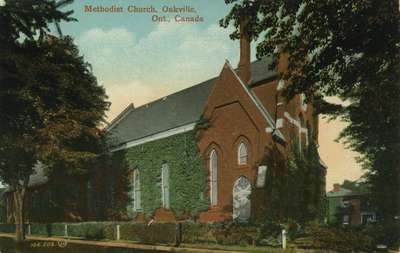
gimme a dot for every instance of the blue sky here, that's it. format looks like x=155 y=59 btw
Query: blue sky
x=137 y=61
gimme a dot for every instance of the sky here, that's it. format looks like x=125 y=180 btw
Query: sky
x=138 y=60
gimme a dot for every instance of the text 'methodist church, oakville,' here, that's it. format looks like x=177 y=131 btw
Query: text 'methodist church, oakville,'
x=198 y=154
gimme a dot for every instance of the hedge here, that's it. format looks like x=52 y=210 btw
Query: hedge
x=164 y=233
x=311 y=237
x=197 y=232
x=155 y=233
x=87 y=230
x=7 y=228
x=92 y=230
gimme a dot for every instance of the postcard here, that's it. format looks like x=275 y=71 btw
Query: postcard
x=188 y=125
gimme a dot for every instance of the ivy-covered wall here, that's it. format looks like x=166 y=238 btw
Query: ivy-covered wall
x=187 y=174
x=294 y=189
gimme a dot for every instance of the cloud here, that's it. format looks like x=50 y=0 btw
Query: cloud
x=122 y=94
x=169 y=58
x=107 y=50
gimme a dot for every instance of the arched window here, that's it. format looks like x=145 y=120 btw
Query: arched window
x=137 y=203
x=242 y=154
x=241 y=199
x=165 y=185
x=213 y=177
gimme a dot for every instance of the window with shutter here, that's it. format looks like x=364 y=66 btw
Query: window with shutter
x=213 y=178
x=165 y=185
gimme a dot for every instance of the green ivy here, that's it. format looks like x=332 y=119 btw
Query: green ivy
x=187 y=173
x=295 y=187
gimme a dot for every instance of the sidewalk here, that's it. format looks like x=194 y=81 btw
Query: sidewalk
x=122 y=245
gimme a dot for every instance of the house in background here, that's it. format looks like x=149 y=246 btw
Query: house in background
x=347 y=207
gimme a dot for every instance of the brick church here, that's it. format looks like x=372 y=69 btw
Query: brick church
x=198 y=153
x=244 y=113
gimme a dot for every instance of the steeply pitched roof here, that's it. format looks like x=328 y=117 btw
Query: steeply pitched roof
x=175 y=110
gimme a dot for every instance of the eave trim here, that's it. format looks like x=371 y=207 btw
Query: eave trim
x=267 y=116
x=157 y=136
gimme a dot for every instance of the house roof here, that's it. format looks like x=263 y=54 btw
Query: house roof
x=178 y=109
x=342 y=193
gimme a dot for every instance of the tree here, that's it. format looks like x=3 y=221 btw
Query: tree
x=343 y=48
x=358 y=186
x=31 y=19
x=50 y=103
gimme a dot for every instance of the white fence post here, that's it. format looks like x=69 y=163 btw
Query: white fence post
x=66 y=230
x=118 y=233
x=283 y=239
x=29 y=229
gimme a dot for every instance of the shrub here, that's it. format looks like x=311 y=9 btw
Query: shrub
x=155 y=233
x=337 y=239
x=91 y=230
x=197 y=233
x=384 y=233
x=270 y=241
x=58 y=229
x=228 y=233
x=41 y=229
x=7 y=228
x=133 y=232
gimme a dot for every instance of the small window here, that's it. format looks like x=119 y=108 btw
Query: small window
x=213 y=177
x=242 y=154
x=137 y=202
x=346 y=220
x=165 y=185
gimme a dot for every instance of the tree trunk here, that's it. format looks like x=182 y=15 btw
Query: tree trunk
x=19 y=196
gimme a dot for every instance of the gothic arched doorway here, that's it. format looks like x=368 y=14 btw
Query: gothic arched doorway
x=241 y=199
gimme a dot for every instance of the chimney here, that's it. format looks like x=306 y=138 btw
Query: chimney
x=244 y=62
x=336 y=187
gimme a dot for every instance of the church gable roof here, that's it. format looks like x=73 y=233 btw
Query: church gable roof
x=173 y=111
x=178 y=109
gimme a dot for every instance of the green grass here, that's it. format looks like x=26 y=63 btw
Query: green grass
x=253 y=249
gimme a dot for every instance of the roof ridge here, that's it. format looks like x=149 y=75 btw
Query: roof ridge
x=174 y=109
x=120 y=116
x=175 y=93
x=184 y=89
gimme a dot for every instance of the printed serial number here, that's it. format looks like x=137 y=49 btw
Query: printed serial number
x=61 y=244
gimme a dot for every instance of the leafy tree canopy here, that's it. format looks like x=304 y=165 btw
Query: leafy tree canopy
x=29 y=19
x=50 y=103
